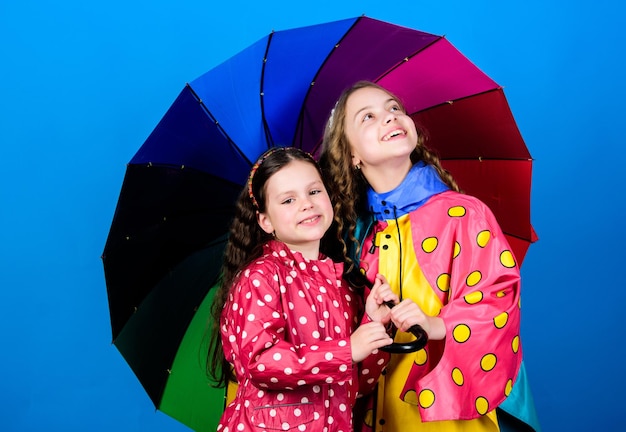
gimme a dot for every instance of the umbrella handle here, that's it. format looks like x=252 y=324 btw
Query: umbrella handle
x=358 y=279
x=407 y=347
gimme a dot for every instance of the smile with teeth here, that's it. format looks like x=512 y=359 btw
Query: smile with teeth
x=309 y=220
x=394 y=134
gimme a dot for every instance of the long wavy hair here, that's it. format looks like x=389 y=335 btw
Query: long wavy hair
x=245 y=244
x=347 y=186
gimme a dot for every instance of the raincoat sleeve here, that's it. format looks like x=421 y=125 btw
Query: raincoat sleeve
x=267 y=353
x=472 y=265
x=369 y=370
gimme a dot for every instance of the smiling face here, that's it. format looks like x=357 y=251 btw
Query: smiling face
x=298 y=209
x=379 y=131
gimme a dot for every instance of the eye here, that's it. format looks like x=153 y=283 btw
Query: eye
x=394 y=108
x=367 y=117
x=287 y=201
x=315 y=192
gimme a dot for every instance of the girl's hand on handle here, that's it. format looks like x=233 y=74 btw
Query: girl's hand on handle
x=407 y=313
x=367 y=338
x=380 y=292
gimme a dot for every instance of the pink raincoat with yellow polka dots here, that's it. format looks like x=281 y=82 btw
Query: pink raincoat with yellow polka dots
x=450 y=256
x=286 y=330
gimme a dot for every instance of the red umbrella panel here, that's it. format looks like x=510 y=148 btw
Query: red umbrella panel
x=163 y=252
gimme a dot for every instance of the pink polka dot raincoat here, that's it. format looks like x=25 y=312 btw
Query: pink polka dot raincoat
x=286 y=329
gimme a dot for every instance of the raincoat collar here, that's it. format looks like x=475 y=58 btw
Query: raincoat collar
x=297 y=261
x=421 y=183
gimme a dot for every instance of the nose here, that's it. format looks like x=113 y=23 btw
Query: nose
x=390 y=117
x=307 y=203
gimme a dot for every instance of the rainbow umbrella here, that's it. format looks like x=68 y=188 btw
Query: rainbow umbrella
x=162 y=256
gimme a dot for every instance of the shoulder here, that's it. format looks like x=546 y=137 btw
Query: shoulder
x=455 y=203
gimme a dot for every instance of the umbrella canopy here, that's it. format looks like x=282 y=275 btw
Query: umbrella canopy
x=163 y=252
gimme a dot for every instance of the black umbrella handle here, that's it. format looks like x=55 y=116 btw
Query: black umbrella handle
x=408 y=347
x=359 y=280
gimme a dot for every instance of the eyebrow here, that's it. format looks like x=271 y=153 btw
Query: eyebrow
x=368 y=107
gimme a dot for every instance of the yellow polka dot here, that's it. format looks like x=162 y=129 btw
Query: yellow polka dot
x=488 y=362
x=508 y=388
x=457 y=376
x=427 y=398
x=483 y=238
x=500 y=294
x=507 y=260
x=515 y=344
x=473 y=278
x=421 y=357
x=443 y=282
x=410 y=397
x=519 y=303
x=369 y=418
x=457 y=211
x=457 y=250
x=429 y=244
x=461 y=333
x=474 y=297
x=482 y=405
x=501 y=320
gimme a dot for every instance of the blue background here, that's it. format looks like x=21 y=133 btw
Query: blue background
x=82 y=85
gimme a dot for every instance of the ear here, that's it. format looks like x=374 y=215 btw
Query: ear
x=265 y=223
x=355 y=161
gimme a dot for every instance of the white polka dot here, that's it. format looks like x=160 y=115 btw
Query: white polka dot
x=326 y=314
x=273 y=413
x=248 y=295
x=244 y=334
x=286 y=426
x=232 y=338
x=314 y=347
x=240 y=426
x=260 y=394
x=342 y=343
x=235 y=306
x=316 y=389
x=315 y=268
x=302 y=320
x=291 y=306
x=275 y=315
x=261 y=367
x=301 y=382
x=328 y=356
x=380 y=362
x=316 y=334
x=329 y=380
x=251 y=317
x=337 y=329
x=343 y=368
x=302 y=266
x=365 y=371
x=256 y=283
x=260 y=303
x=274 y=380
x=331 y=420
x=323 y=290
x=315 y=370
x=277 y=356
x=297 y=412
x=288 y=371
x=289 y=279
x=371 y=380
x=313 y=308
x=301 y=293
x=342 y=407
x=268 y=298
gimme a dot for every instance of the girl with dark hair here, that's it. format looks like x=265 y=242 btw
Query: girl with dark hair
x=298 y=339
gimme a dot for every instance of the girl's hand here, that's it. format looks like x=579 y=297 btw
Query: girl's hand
x=408 y=313
x=381 y=292
x=367 y=338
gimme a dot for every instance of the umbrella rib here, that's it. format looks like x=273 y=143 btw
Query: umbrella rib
x=219 y=126
x=308 y=92
x=266 y=128
x=451 y=102
x=407 y=58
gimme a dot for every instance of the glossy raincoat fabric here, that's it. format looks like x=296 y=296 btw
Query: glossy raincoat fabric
x=446 y=252
x=286 y=329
